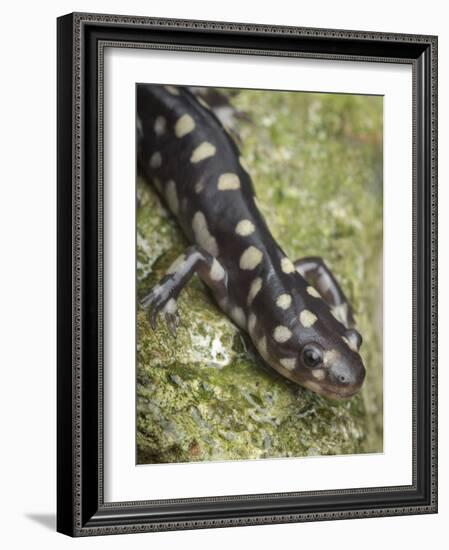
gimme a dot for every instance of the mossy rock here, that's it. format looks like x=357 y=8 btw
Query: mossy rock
x=316 y=163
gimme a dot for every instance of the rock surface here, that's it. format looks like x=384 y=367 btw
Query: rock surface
x=316 y=163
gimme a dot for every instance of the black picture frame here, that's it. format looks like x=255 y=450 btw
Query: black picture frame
x=81 y=509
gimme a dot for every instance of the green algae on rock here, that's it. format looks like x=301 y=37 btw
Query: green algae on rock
x=316 y=163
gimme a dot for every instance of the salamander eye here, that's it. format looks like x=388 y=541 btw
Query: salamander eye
x=354 y=337
x=312 y=355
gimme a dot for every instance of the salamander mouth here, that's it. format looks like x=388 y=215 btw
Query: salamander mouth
x=334 y=394
x=314 y=386
x=331 y=393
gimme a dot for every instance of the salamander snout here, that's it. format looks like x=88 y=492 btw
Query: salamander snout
x=345 y=377
x=336 y=372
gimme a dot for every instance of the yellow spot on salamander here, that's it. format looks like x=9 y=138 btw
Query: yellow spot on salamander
x=199 y=186
x=252 y=321
x=254 y=289
x=173 y=90
x=340 y=313
x=351 y=345
x=202 y=152
x=313 y=292
x=250 y=258
x=159 y=125
x=216 y=272
x=287 y=266
x=172 y=196
x=284 y=301
x=245 y=228
x=319 y=374
x=228 y=182
x=288 y=363
x=330 y=357
x=184 y=126
x=155 y=160
x=238 y=316
x=281 y=334
x=202 y=235
x=202 y=102
x=307 y=318
x=262 y=347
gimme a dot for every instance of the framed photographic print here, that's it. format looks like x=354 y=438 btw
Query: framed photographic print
x=246 y=274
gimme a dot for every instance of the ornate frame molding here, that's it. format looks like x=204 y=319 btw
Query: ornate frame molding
x=81 y=42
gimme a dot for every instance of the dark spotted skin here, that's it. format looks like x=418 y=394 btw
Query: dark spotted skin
x=294 y=312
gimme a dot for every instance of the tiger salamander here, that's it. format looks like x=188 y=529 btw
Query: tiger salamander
x=295 y=312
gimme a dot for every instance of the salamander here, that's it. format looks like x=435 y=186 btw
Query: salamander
x=295 y=312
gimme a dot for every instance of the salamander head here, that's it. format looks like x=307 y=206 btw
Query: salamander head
x=325 y=363
x=308 y=345
x=328 y=367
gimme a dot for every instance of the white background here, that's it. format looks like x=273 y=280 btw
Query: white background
x=27 y=304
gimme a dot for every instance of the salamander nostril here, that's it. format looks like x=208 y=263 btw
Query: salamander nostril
x=342 y=378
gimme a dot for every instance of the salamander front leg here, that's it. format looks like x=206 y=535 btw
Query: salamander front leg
x=316 y=272
x=162 y=298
